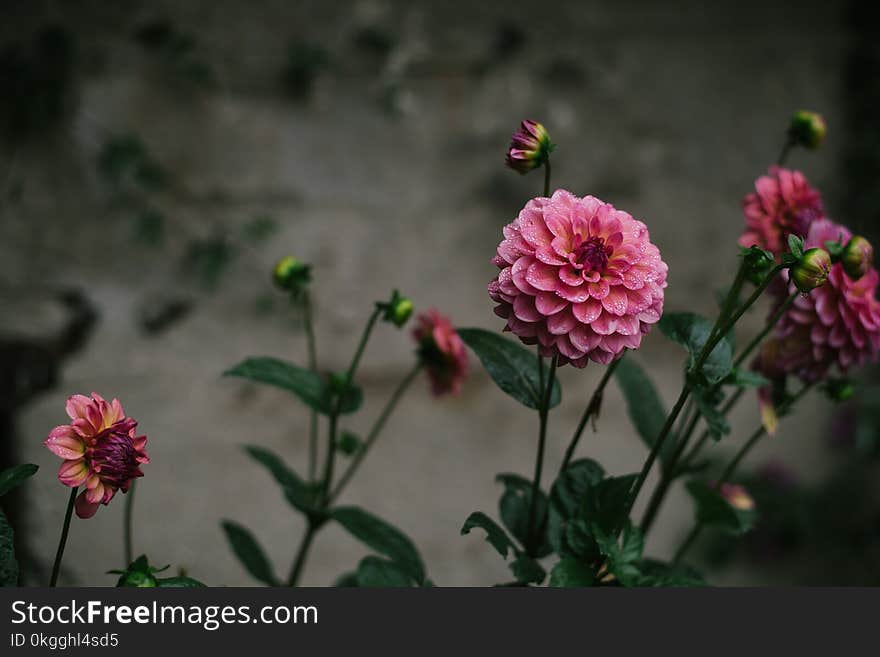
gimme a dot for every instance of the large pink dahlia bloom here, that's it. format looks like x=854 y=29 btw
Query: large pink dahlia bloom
x=100 y=449
x=579 y=278
x=442 y=352
x=836 y=324
x=782 y=204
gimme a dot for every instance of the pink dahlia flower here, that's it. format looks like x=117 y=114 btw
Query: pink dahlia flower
x=579 y=278
x=782 y=204
x=441 y=351
x=836 y=324
x=100 y=450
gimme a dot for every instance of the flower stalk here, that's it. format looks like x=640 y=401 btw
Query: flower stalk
x=62 y=542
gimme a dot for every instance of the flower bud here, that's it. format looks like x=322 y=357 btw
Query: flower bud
x=291 y=274
x=811 y=270
x=737 y=497
x=530 y=147
x=857 y=257
x=398 y=310
x=807 y=129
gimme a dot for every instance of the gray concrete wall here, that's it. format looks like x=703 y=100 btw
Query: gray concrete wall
x=667 y=110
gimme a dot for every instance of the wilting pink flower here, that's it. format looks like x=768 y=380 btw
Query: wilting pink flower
x=737 y=497
x=100 y=450
x=441 y=351
x=782 y=204
x=529 y=148
x=579 y=278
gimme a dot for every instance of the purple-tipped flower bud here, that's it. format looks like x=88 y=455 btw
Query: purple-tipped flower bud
x=290 y=274
x=807 y=129
x=857 y=257
x=811 y=270
x=529 y=148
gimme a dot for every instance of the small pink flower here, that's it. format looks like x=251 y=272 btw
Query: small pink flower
x=100 y=450
x=442 y=352
x=579 y=278
x=782 y=204
x=737 y=497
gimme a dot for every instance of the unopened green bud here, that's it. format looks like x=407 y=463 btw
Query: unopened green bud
x=811 y=270
x=291 y=274
x=137 y=579
x=398 y=310
x=857 y=257
x=807 y=129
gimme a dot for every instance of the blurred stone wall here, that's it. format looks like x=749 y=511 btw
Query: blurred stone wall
x=372 y=135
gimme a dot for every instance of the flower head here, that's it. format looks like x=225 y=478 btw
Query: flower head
x=529 y=148
x=579 y=278
x=807 y=129
x=836 y=324
x=737 y=497
x=782 y=204
x=100 y=449
x=441 y=351
x=857 y=257
x=811 y=270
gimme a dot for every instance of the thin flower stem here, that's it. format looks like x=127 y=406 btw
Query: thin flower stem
x=301 y=554
x=543 y=412
x=547 y=177
x=62 y=542
x=730 y=470
x=127 y=531
x=786 y=149
x=327 y=479
x=308 y=326
x=374 y=431
x=771 y=323
x=365 y=336
x=591 y=411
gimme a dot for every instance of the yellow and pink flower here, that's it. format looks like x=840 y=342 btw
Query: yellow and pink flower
x=100 y=448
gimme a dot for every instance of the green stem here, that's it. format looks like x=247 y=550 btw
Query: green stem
x=302 y=552
x=313 y=366
x=547 y=177
x=591 y=411
x=374 y=431
x=786 y=149
x=127 y=527
x=65 y=528
x=327 y=479
x=543 y=412
x=695 y=450
x=365 y=336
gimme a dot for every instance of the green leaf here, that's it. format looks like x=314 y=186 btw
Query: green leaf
x=382 y=537
x=305 y=384
x=513 y=367
x=297 y=492
x=496 y=536
x=14 y=476
x=714 y=511
x=8 y=563
x=571 y=573
x=347 y=580
x=715 y=420
x=527 y=570
x=376 y=572
x=795 y=245
x=514 y=510
x=566 y=498
x=248 y=551
x=179 y=583
x=692 y=332
x=622 y=555
x=349 y=443
x=643 y=405
x=658 y=573
x=606 y=502
x=746 y=379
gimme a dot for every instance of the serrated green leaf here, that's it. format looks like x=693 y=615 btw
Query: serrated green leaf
x=514 y=510
x=623 y=554
x=14 y=476
x=659 y=574
x=249 y=552
x=743 y=378
x=566 y=497
x=495 y=536
x=300 y=495
x=571 y=573
x=606 y=502
x=512 y=367
x=376 y=572
x=8 y=562
x=644 y=406
x=527 y=570
x=383 y=537
x=715 y=420
x=692 y=332
x=305 y=384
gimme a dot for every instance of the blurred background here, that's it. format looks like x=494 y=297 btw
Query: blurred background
x=157 y=158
